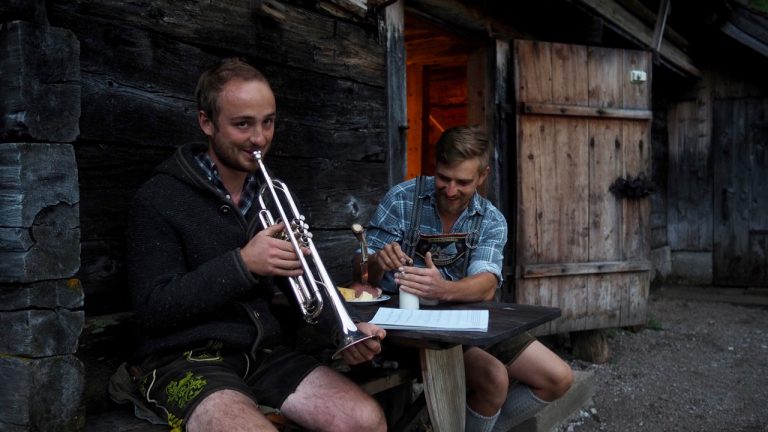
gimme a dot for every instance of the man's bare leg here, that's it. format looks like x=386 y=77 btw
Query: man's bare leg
x=327 y=401
x=548 y=376
x=228 y=411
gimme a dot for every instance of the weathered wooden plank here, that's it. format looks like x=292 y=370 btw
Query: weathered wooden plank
x=542 y=292
x=689 y=185
x=573 y=301
x=40 y=332
x=305 y=39
x=39 y=83
x=547 y=194
x=397 y=119
x=605 y=158
x=637 y=300
x=605 y=70
x=636 y=94
x=584 y=111
x=39 y=218
x=579 y=268
x=41 y=394
x=605 y=166
x=141 y=93
x=51 y=294
x=758 y=168
x=635 y=222
x=758 y=218
x=533 y=72
x=569 y=81
x=502 y=125
x=569 y=152
x=605 y=294
x=731 y=224
x=339 y=128
x=325 y=117
x=333 y=194
x=533 y=75
x=533 y=131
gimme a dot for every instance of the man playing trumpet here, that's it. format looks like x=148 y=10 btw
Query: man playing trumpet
x=202 y=269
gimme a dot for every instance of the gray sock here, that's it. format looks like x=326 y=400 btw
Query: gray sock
x=520 y=405
x=479 y=423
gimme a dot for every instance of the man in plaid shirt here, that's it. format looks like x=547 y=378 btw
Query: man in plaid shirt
x=437 y=238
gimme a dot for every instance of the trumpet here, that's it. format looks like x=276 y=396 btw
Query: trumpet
x=310 y=286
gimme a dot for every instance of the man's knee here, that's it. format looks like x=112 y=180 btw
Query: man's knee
x=559 y=381
x=226 y=410
x=486 y=377
x=372 y=418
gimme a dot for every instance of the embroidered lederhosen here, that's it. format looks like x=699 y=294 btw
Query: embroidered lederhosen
x=451 y=250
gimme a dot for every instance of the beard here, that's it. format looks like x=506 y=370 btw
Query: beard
x=233 y=157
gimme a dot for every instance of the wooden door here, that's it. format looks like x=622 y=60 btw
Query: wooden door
x=583 y=122
x=741 y=192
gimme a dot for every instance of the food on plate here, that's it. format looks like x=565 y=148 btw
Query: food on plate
x=360 y=292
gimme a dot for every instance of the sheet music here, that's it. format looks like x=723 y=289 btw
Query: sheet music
x=431 y=319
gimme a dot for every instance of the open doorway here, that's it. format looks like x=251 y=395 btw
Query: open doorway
x=445 y=87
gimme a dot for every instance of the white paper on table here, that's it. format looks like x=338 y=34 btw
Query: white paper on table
x=431 y=319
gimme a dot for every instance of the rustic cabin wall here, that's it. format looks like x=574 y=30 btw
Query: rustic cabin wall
x=41 y=314
x=717 y=209
x=689 y=187
x=740 y=153
x=140 y=62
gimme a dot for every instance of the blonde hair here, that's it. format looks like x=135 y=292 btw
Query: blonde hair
x=462 y=143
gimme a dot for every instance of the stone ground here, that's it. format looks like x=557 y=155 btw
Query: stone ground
x=696 y=366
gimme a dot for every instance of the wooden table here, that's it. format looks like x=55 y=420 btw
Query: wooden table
x=441 y=353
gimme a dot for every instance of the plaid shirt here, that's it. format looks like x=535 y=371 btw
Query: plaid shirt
x=391 y=222
x=249 y=191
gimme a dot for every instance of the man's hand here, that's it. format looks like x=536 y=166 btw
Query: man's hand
x=266 y=255
x=391 y=257
x=425 y=282
x=365 y=350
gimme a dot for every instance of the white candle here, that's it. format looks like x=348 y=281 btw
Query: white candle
x=408 y=300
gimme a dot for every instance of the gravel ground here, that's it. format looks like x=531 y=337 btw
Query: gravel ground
x=696 y=366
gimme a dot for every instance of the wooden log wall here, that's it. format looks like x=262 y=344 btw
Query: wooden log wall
x=140 y=63
x=41 y=314
x=716 y=208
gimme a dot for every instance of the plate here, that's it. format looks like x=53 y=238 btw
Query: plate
x=382 y=298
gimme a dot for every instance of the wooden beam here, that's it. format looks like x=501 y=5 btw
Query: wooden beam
x=745 y=38
x=397 y=121
x=634 y=29
x=637 y=8
x=570 y=269
x=456 y=13
x=584 y=111
x=661 y=24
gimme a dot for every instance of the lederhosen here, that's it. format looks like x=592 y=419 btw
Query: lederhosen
x=447 y=249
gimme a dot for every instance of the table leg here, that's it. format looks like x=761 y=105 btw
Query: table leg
x=444 y=387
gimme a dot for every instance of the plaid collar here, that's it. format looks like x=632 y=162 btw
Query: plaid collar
x=248 y=195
